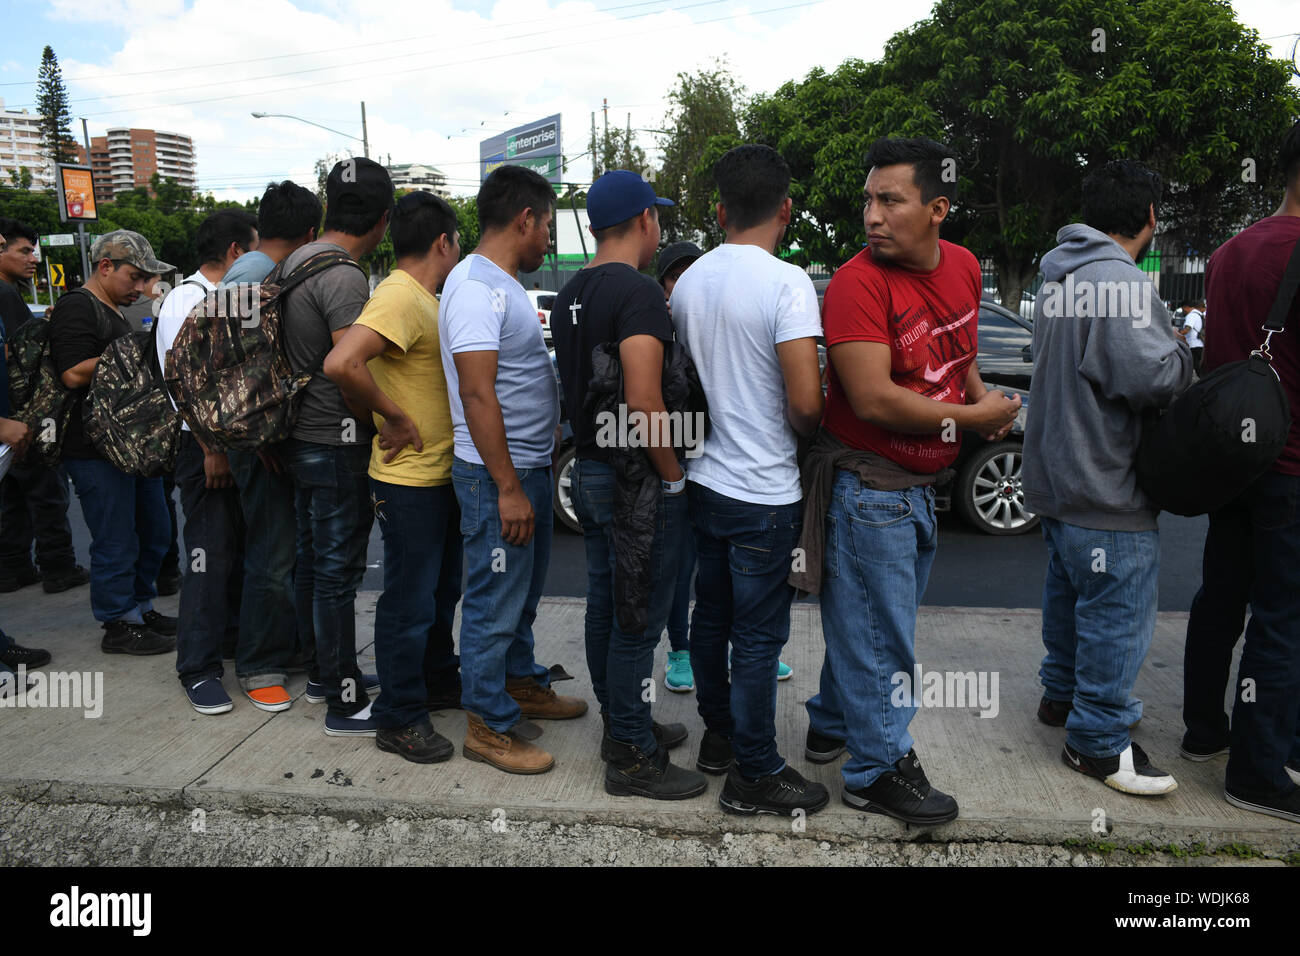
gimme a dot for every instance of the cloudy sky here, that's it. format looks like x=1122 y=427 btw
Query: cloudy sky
x=436 y=75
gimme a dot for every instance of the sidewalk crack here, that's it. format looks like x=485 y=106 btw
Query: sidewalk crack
x=219 y=760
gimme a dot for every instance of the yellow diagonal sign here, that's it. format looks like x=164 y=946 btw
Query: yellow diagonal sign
x=57 y=274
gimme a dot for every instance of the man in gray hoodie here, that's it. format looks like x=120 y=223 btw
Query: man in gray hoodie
x=1105 y=353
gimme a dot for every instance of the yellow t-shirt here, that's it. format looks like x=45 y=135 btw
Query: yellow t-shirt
x=410 y=373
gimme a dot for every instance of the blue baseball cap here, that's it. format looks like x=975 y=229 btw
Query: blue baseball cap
x=619 y=195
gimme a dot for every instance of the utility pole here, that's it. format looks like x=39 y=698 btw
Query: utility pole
x=81 y=227
x=365 y=138
x=595 y=158
x=606 y=108
x=627 y=143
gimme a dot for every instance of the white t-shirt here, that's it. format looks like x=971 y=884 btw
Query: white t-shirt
x=176 y=306
x=731 y=309
x=483 y=309
x=1194 y=322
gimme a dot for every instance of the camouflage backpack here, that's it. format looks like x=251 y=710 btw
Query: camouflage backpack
x=129 y=416
x=227 y=368
x=37 y=395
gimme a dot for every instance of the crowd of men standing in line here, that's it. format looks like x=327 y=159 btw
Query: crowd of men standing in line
x=438 y=417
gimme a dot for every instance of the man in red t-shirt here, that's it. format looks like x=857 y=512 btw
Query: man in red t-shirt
x=1252 y=549
x=901 y=322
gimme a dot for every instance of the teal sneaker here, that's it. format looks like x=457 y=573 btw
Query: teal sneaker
x=784 y=671
x=679 y=676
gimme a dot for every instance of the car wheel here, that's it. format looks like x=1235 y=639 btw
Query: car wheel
x=562 y=496
x=989 y=494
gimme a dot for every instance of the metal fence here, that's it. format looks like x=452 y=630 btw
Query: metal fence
x=1177 y=279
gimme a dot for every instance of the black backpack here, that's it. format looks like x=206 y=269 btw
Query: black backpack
x=1225 y=431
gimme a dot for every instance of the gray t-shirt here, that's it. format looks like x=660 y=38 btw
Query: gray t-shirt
x=316 y=308
x=485 y=310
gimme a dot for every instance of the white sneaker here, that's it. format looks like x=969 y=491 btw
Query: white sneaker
x=1294 y=774
x=1128 y=772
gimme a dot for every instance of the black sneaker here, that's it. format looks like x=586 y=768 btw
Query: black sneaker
x=1199 y=751
x=904 y=793
x=126 y=637
x=30 y=657
x=1054 y=712
x=418 y=743
x=160 y=623
x=667 y=736
x=168 y=583
x=13 y=580
x=715 y=753
x=1287 y=807
x=819 y=748
x=73 y=577
x=780 y=793
x=632 y=774
x=1127 y=772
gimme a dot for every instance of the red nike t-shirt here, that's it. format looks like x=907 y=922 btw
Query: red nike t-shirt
x=929 y=320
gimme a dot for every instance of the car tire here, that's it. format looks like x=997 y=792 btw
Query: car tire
x=988 y=492
x=562 y=493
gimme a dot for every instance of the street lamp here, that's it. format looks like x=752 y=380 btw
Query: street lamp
x=363 y=138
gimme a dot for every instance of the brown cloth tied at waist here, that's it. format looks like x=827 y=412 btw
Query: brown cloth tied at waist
x=825 y=456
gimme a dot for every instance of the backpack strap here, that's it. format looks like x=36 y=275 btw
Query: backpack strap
x=101 y=313
x=1276 y=320
x=314 y=266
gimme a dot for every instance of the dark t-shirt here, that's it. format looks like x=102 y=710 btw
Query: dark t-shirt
x=77 y=332
x=13 y=309
x=607 y=303
x=1241 y=281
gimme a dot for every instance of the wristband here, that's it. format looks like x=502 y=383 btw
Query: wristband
x=673 y=487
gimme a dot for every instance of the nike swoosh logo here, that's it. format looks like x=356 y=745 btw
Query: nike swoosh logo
x=1073 y=759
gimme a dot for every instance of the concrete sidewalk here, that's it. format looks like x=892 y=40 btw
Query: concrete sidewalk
x=151 y=765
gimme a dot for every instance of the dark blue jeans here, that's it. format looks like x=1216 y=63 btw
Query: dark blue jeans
x=621 y=663
x=35 y=509
x=1252 y=553
x=679 y=618
x=129 y=528
x=267 y=618
x=334 y=520
x=503 y=585
x=742 y=598
x=414 y=649
x=214 y=559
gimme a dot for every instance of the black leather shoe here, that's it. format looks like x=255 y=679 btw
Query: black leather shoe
x=667 y=736
x=780 y=793
x=905 y=794
x=126 y=637
x=29 y=657
x=715 y=753
x=13 y=580
x=73 y=577
x=418 y=743
x=819 y=748
x=160 y=623
x=631 y=773
x=1054 y=712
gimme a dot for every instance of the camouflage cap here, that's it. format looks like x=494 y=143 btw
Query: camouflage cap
x=123 y=245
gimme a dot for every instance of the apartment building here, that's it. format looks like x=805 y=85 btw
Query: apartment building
x=20 y=148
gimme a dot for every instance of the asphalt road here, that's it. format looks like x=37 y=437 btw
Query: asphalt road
x=970 y=570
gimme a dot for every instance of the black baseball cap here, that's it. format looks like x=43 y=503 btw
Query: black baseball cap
x=358 y=185
x=674 y=253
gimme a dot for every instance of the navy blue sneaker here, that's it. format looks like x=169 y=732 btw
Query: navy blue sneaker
x=209 y=697
x=316 y=692
x=338 y=726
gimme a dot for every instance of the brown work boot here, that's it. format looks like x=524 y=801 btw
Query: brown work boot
x=503 y=751
x=542 y=703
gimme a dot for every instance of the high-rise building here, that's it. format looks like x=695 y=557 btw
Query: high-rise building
x=419 y=176
x=20 y=148
x=127 y=158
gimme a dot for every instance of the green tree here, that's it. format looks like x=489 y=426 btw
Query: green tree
x=703 y=105
x=617 y=149
x=52 y=104
x=1029 y=93
x=466 y=208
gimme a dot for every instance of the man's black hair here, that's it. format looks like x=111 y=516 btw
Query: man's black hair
x=13 y=229
x=1117 y=197
x=620 y=229
x=753 y=182
x=928 y=160
x=508 y=191
x=287 y=211
x=219 y=230
x=1290 y=156
x=419 y=218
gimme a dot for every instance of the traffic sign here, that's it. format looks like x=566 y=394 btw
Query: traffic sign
x=59 y=239
x=56 y=274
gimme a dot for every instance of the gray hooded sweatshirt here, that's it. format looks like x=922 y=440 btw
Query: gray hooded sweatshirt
x=1104 y=353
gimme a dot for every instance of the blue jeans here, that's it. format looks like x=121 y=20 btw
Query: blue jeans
x=679 y=618
x=129 y=531
x=267 y=617
x=1099 y=613
x=619 y=662
x=880 y=546
x=742 y=599
x=414 y=650
x=210 y=589
x=503 y=585
x=334 y=527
